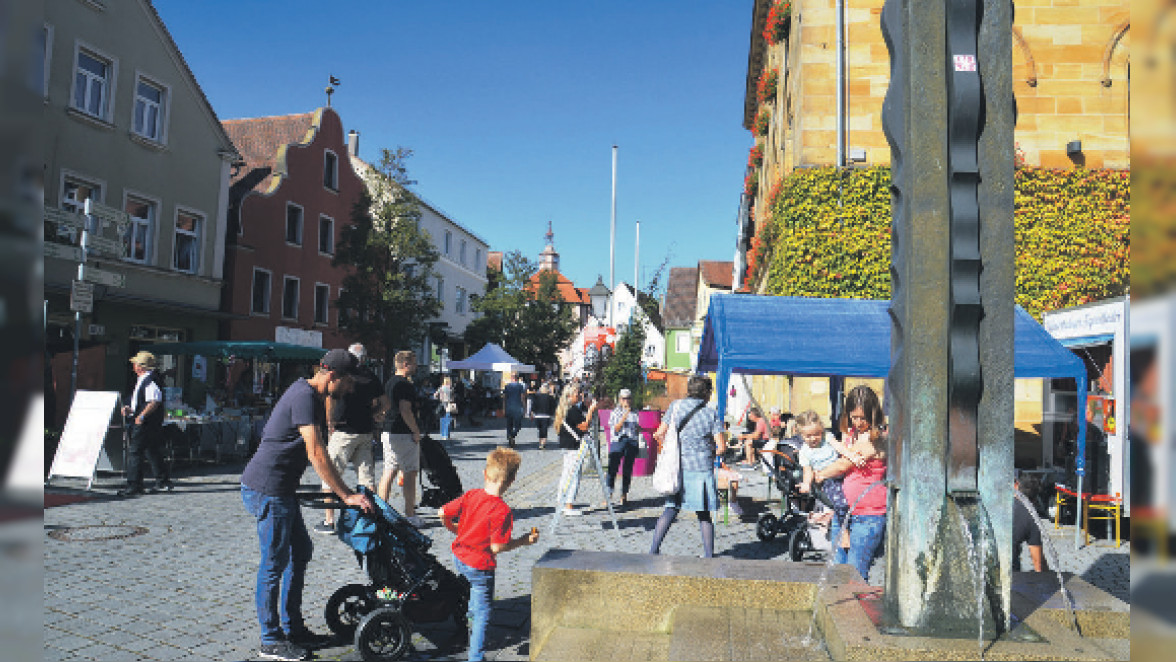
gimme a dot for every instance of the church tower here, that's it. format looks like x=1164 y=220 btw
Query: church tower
x=549 y=258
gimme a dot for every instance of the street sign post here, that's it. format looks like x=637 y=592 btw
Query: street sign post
x=81 y=297
x=110 y=216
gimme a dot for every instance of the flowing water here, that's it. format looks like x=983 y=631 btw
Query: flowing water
x=976 y=563
x=1051 y=558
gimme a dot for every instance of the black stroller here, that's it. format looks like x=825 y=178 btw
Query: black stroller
x=437 y=467
x=408 y=585
x=793 y=522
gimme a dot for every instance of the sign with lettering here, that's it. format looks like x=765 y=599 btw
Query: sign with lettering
x=110 y=216
x=102 y=277
x=62 y=251
x=106 y=246
x=84 y=434
x=81 y=297
x=64 y=217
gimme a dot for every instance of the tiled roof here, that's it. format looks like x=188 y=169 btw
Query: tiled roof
x=681 y=297
x=567 y=290
x=258 y=138
x=716 y=274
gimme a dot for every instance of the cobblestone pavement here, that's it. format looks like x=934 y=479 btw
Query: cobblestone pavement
x=170 y=576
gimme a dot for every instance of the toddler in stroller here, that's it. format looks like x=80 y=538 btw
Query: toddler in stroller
x=408 y=585
x=795 y=506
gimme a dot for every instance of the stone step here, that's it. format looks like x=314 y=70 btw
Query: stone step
x=566 y=644
x=734 y=633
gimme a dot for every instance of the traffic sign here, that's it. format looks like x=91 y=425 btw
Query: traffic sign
x=62 y=251
x=81 y=297
x=64 y=217
x=110 y=215
x=107 y=246
x=108 y=278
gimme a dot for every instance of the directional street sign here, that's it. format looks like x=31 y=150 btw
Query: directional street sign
x=107 y=246
x=62 y=251
x=81 y=297
x=64 y=217
x=102 y=277
x=110 y=215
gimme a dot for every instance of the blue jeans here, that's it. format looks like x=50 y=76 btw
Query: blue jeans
x=285 y=551
x=481 y=595
x=865 y=537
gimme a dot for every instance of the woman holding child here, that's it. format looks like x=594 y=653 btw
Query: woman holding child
x=863 y=465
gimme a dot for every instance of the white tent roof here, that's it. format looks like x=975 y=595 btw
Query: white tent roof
x=491 y=357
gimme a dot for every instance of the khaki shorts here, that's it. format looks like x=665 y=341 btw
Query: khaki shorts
x=400 y=452
x=345 y=447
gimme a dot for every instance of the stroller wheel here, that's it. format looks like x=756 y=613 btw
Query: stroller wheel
x=347 y=607
x=765 y=528
x=799 y=544
x=383 y=636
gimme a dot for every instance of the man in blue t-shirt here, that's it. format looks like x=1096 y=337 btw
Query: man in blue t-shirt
x=512 y=404
x=292 y=439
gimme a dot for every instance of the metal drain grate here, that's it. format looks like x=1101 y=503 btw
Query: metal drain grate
x=96 y=532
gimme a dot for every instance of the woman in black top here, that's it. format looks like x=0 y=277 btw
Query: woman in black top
x=571 y=420
x=542 y=408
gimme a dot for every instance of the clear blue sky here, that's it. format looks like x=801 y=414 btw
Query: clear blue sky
x=512 y=108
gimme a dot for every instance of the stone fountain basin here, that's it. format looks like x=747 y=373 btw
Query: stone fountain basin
x=613 y=606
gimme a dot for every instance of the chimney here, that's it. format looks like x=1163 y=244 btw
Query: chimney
x=353 y=143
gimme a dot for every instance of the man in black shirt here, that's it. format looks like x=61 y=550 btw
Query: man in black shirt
x=350 y=421
x=146 y=429
x=1025 y=530
x=402 y=435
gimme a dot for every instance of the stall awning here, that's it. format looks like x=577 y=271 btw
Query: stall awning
x=245 y=349
x=753 y=334
x=491 y=357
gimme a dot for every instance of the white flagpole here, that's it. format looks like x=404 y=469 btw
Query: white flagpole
x=612 y=240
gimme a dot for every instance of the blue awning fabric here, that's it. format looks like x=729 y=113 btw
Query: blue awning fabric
x=805 y=336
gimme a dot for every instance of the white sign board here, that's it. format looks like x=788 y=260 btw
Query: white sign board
x=304 y=337
x=108 y=278
x=85 y=432
x=81 y=297
x=110 y=216
x=62 y=251
x=106 y=246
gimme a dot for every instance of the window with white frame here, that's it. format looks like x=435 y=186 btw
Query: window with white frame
x=322 y=295
x=186 y=253
x=682 y=343
x=326 y=233
x=461 y=253
x=459 y=305
x=440 y=290
x=150 y=109
x=293 y=224
x=330 y=170
x=290 y=297
x=261 y=291
x=448 y=241
x=93 y=77
x=141 y=230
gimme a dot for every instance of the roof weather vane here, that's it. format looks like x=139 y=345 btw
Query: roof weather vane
x=331 y=89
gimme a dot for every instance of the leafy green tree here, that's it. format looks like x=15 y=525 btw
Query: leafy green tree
x=388 y=294
x=532 y=322
x=624 y=370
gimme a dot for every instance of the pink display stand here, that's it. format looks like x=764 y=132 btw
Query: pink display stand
x=646 y=458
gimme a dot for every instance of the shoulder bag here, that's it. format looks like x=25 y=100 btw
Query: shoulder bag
x=667 y=474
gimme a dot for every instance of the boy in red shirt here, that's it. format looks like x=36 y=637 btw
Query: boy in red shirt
x=483 y=533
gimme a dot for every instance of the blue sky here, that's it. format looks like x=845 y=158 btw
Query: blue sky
x=512 y=108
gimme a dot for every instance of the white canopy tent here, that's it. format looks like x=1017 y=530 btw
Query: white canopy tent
x=491 y=357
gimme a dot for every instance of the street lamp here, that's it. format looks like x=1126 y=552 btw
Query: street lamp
x=599 y=295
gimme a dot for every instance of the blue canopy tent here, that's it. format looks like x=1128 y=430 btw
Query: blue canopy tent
x=847 y=337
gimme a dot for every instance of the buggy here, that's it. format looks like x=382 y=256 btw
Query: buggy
x=407 y=583
x=793 y=523
x=437 y=467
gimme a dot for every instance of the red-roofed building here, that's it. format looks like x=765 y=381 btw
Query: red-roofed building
x=287 y=208
x=572 y=295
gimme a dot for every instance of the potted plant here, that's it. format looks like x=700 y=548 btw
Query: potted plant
x=765 y=88
x=778 y=21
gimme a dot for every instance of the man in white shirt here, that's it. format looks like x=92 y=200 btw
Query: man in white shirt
x=146 y=427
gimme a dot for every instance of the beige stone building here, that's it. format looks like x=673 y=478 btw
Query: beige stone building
x=1070 y=78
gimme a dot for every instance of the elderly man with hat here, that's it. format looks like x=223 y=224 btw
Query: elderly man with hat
x=293 y=437
x=146 y=427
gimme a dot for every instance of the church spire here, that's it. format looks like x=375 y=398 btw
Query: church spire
x=549 y=258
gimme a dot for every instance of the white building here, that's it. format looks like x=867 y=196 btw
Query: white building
x=627 y=308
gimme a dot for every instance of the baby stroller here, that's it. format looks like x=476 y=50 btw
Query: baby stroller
x=793 y=522
x=442 y=475
x=408 y=585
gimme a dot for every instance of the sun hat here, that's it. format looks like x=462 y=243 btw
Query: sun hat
x=625 y=393
x=144 y=358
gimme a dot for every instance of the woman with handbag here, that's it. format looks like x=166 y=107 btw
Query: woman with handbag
x=688 y=451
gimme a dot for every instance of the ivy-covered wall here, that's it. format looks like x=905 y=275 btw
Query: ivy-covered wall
x=828 y=235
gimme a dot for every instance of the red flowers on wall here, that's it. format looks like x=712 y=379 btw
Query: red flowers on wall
x=755 y=157
x=765 y=89
x=776 y=27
